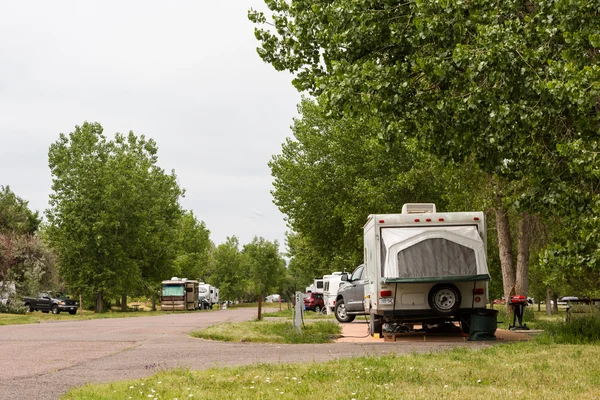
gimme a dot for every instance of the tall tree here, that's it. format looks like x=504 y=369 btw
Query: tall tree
x=229 y=272
x=192 y=246
x=333 y=173
x=266 y=267
x=113 y=213
x=505 y=83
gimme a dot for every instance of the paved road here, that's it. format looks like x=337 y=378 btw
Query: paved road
x=43 y=361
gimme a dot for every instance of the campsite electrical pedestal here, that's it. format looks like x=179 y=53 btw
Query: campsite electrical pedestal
x=298 y=308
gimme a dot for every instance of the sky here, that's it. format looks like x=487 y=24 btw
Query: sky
x=185 y=73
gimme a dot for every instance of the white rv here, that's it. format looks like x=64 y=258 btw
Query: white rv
x=214 y=296
x=318 y=285
x=425 y=267
x=331 y=285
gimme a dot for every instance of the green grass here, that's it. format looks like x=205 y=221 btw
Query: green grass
x=520 y=370
x=37 y=317
x=270 y=332
x=584 y=330
x=307 y=315
x=533 y=319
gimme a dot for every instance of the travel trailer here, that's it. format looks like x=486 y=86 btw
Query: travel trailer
x=207 y=295
x=331 y=285
x=179 y=294
x=425 y=267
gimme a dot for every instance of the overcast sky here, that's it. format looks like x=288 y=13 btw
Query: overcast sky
x=184 y=73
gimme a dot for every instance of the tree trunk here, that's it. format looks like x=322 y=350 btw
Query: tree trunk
x=123 y=302
x=99 y=303
x=555 y=307
x=153 y=302
x=118 y=302
x=506 y=254
x=522 y=276
x=548 y=302
x=260 y=306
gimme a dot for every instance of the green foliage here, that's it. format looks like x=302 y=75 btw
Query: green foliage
x=192 y=246
x=265 y=266
x=13 y=308
x=15 y=215
x=229 y=271
x=334 y=173
x=114 y=213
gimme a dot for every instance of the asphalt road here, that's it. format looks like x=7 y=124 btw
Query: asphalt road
x=43 y=361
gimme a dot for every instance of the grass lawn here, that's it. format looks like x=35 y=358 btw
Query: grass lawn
x=307 y=314
x=270 y=332
x=37 y=317
x=533 y=318
x=520 y=370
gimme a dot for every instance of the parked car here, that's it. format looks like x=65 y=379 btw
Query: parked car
x=349 y=300
x=55 y=302
x=314 y=302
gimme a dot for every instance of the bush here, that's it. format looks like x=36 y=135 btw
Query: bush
x=585 y=330
x=12 y=308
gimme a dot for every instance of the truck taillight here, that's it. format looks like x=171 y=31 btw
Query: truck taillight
x=479 y=291
x=385 y=293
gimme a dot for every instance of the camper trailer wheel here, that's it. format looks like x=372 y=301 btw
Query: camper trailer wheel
x=444 y=298
x=340 y=312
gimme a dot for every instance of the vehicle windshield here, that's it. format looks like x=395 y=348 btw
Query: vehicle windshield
x=60 y=295
x=173 y=290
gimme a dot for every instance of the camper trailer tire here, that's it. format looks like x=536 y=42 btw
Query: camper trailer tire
x=341 y=314
x=444 y=298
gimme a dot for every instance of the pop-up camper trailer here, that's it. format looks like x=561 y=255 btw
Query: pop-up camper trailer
x=423 y=266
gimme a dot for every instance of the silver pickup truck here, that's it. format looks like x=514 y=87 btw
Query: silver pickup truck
x=349 y=300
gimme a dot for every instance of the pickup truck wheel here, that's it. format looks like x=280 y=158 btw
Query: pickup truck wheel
x=55 y=310
x=444 y=298
x=340 y=312
x=317 y=309
x=29 y=308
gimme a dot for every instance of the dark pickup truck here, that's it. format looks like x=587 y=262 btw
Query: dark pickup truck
x=55 y=302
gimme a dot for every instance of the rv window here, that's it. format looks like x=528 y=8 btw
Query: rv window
x=435 y=258
x=319 y=284
x=172 y=290
x=189 y=289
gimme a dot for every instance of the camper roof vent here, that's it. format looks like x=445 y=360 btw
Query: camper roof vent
x=174 y=278
x=418 y=208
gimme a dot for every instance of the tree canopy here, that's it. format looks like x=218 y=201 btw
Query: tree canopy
x=113 y=214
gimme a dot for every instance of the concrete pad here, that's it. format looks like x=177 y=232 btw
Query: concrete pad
x=358 y=332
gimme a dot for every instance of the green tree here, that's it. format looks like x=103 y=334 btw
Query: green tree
x=15 y=215
x=266 y=267
x=502 y=83
x=113 y=213
x=193 y=247
x=333 y=173
x=230 y=272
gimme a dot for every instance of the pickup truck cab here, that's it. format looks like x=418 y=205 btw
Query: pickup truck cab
x=350 y=296
x=51 y=302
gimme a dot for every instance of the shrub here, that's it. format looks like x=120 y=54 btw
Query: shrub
x=12 y=308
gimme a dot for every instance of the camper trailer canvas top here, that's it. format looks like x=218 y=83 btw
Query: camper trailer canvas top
x=423 y=264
